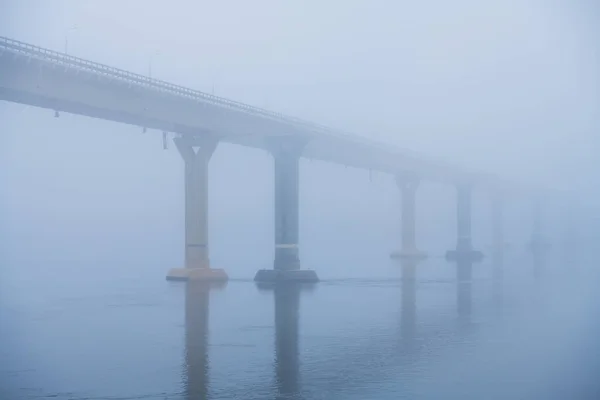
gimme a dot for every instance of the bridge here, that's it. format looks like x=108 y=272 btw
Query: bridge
x=44 y=78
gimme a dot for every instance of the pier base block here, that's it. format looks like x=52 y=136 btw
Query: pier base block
x=197 y=274
x=298 y=275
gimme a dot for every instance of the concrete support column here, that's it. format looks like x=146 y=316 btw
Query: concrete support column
x=286 y=153
x=196 y=152
x=464 y=246
x=287 y=191
x=408 y=185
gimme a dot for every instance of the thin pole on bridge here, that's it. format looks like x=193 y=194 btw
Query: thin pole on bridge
x=152 y=55
x=71 y=29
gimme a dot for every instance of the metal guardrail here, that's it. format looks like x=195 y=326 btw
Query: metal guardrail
x=58 y=58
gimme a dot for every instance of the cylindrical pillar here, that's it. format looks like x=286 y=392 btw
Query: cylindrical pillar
x=286 y=151
x=196 y=152
x=196 y=159
x=464 y=246
x=286 y=209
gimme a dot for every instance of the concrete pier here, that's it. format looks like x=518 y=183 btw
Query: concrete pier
x=196 y=152
x=464 y=247
x=408 y=184
x=286 y=153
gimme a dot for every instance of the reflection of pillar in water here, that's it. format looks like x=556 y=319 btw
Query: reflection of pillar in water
x=497 y=278
x=498 y=244
x=538 y=243
x=571 y=243
x=539 y=263
x=464 y=287
x=196 y=340
x=287 y=305
x=464 y=270
x=536 y=234
x=408 y=313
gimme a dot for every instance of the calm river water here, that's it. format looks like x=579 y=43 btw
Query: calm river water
x=529 y=333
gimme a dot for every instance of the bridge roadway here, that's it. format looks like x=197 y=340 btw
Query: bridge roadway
x=44 y=78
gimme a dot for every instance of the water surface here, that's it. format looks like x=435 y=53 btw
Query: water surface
x=121 y=334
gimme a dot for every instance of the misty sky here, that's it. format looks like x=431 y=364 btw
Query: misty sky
x=510 y=87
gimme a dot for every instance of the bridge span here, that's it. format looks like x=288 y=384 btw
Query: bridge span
x=44 y=78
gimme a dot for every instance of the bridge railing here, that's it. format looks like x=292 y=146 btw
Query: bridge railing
x=69 y=61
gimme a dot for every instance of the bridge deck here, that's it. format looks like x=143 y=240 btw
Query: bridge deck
x=44 y=78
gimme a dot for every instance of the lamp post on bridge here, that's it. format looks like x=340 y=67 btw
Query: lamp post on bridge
x=71 y=29
x=152 y=55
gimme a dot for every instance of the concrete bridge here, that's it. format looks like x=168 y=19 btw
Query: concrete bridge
x=44 y=78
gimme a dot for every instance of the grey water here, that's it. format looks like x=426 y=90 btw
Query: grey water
x=523 y=328
x=91 y=211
